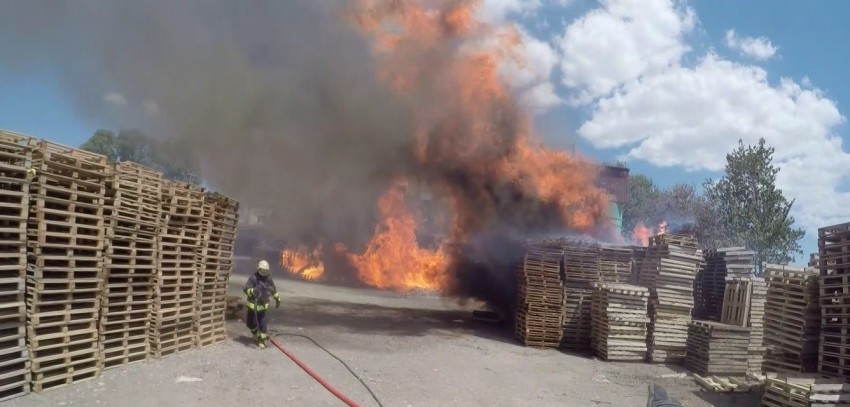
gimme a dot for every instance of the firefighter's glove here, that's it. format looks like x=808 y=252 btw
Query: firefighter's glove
x=277 y=303
x=250 y=292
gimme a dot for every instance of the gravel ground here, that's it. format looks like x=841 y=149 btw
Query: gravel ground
x=411 y=350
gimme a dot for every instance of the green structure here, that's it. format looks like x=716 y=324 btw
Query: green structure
x=615 y=212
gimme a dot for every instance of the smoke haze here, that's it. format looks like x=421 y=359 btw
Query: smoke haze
x=273 y=102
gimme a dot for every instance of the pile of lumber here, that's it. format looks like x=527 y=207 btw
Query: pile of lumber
x=615 y=263
x=539 y=314
x=804 y=392
x=131 y=218
x=577 y=318
x=717 y=349
x=15 y=159
x=792 y=319
x=215 y=263
x=786 y=392
x=834 y=263
x=65 y=271
x=173 y=312
x=669 y=270
x=619 y=321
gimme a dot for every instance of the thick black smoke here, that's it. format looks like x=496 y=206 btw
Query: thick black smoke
x=273 y=102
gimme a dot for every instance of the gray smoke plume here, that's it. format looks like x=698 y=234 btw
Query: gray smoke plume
x=274 y=102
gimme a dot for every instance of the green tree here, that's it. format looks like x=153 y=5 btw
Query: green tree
x=642 y=205
x=135 y=146
x=752 y=210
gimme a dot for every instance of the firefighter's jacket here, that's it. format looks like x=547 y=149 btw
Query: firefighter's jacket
x=259 y=290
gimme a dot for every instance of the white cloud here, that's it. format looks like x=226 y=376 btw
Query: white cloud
x=621 y=41
x=530 y=74
x=756 y=48
x=691 y=117
x=115 y=99
x=496 y=11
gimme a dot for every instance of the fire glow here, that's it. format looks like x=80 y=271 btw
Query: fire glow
x=475 y=145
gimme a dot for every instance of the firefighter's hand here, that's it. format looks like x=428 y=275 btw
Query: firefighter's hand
x=276 y=303
x=250 y=292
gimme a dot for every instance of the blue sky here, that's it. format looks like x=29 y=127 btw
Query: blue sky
x=646 y=114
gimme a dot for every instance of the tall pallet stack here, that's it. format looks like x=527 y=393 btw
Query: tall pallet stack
x=717 y=349
x=132 y=217
x=539 y=313
x=173 y=310
x=792 y=319
x=744 y=305
x=619 y=321
x=711 y=280
x=215 y=263
x=677 y=261
x=834 y=264
x=15 y=159
x=581 y=269
x=65 y=270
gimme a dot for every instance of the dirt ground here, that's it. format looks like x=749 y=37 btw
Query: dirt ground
x=411 y=350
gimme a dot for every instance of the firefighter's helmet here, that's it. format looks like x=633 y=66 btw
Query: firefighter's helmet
x=263 y=268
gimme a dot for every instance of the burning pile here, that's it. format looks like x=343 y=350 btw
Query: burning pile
x=472 y=145
x=669 y=270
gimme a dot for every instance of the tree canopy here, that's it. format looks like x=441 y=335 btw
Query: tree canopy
x=743 y=208
x=135 y=146
x=753 y=211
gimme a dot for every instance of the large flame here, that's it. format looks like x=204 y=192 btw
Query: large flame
x=393 y=258
x=471 y=142
x=303 y=262
x=641 y=234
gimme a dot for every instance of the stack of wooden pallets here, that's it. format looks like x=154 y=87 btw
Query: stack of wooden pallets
x=581 y=263
x=743 y=305
x=786 y=392
x=577 y=318
x=539 y=316
x=64 y=274
x=637 y=264
x=15 y=159
x=215 y=262
x=132 y=217
x=615 y=263
x=677 y=261
x=828 y=393
x=717 y=349
x=834 y=264
x=173 y=311
x=619 y=321
x=792 y=319
x=711 y=280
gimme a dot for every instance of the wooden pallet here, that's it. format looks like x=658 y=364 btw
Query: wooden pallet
x=618 y=322
x=717 y=349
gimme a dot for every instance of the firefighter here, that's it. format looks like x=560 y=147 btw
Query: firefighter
x=259 y=289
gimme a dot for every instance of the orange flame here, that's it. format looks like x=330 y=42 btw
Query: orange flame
x=445 y=67
x=393 y=258
x=641 y=234
x=303 y=263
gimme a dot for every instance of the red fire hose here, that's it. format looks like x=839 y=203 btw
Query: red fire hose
x=318 y=378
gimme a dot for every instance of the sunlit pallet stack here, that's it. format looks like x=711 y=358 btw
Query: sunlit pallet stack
x=173 y=309
x=615 y=263
x=804 y=391
x=619 y=321
x=15 y=159
x=132 y=217
x=539 y=316
x=65 y=270
x=669 y=272
x=834 y=264
x=792 y=319
x=717 y=349
x=581 y=263
x=215 y=263
x=711 y=280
